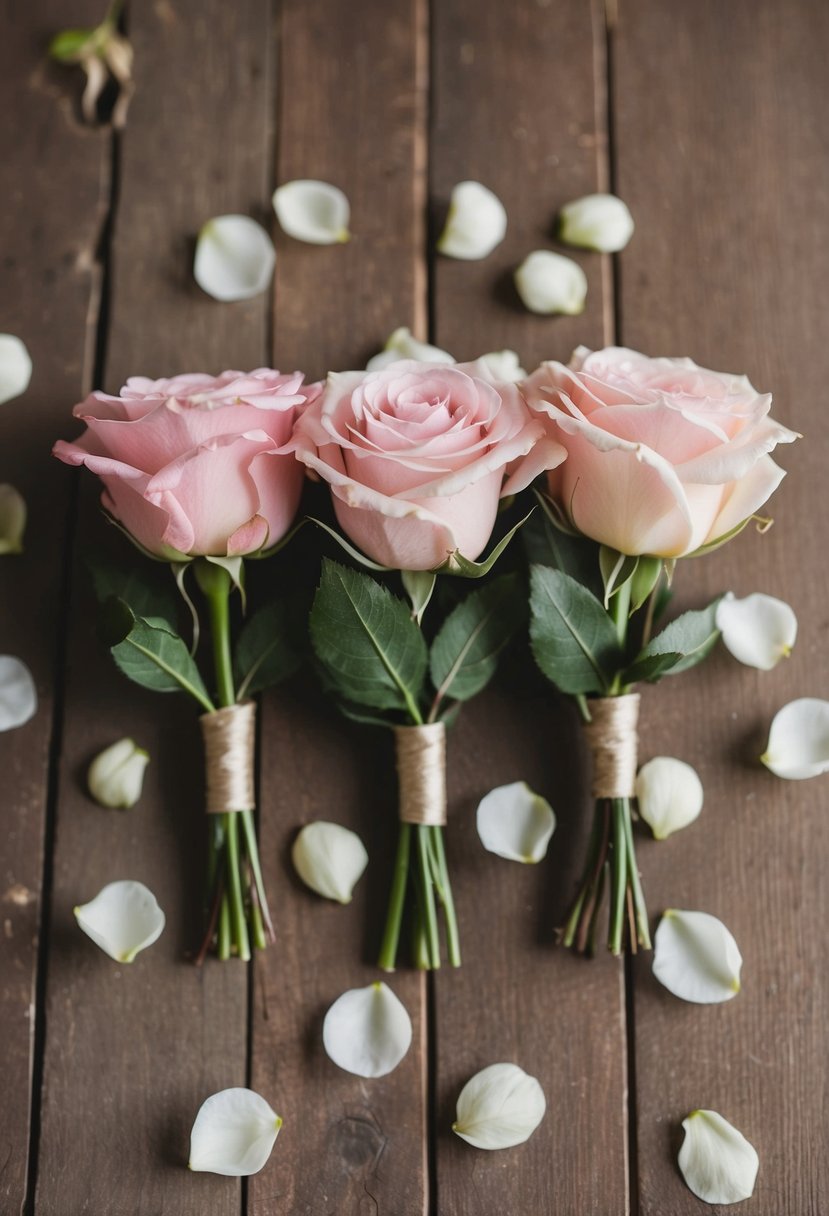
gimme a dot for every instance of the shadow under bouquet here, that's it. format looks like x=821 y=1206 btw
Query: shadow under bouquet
x=665 y=460
x=418 y=457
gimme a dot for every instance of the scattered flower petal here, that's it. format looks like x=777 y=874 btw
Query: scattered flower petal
x=234 y=1134
x=668 y=794
x=367 y=1031
x=18 y=695
x=476 y=222
x=597 y=221
x=696 y=958
x=515 y=823
x=499 y=1107
x=235 y=258
x=329 y=859
x=798 y=745
x=312 y=211
x=15 y=367
x=401 y=345
x=758 y=630
x=717 y=1162
x=549 y=283
x=503 y=365
x=123 y=919
x=116 y=775
x=12 y=519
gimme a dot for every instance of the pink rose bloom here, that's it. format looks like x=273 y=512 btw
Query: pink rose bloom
x=662 y=456
x=196 y=464
x=417 y=456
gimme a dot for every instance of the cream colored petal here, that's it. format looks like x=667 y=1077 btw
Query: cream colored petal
x=312 y=211
x=669 y=795
x=123 y=919
x=234 y=1134
x=15 y=367
x=367 y=1031
x=549 y=283
x=696 y=958
x=503 y=365
x=798 y=745
x=329 y=859
x=476 y=223
x=18 y=695
x=12 y=520
x=235 y=258
x=717 y=1162
x=116 y=775
x=499 y=1107
x=597 y=221
x=758 y=630
x=401 y=345
x=515 y=823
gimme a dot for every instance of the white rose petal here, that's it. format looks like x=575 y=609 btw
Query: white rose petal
x=598 y=221
x=234 y=1134
x=476 y=222
x=12 y=519
x=503 y=365
x=235 y=258
x=15 y=367
x=669 y=795
x=717 y=1162
x=311 y=211
x=696 y=958
x=515 y=823
x=367 y=1031
x=329 y=859
x=549 y=283
x=123 y=919
x=798 y=745
x=18 y=695
x=758 y=630
x=401 y=345
x=499 y=1107
x=116 y=775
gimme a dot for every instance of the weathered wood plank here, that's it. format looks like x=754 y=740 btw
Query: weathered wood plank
x=352 y=114
x=133 y=1051
x=48 y=297
x=722 y=156
x=517 y=89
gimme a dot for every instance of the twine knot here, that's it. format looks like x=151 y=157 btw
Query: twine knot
x=421 y=771
x=613 y=741
x=229 y=737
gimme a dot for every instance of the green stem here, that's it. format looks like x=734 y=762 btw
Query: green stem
x=641 y=911
x=234 y=882
x=394 y=917
x=444 y=889
x=618 y=882
x=620 y=611
x=427 y=893
x=261 y=904
x=223 y=939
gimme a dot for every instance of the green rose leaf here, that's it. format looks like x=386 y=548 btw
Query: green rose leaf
x=149 y=652
x=265 y=653
x=364 y=636
x=617 y=569
x=573 y=639
x=547 y=545
x=681 y=645
x=144 y=592
x=465 y=652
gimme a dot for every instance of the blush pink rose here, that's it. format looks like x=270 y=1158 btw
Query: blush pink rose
x=662 y=456
x=417 y=456
x=196 y=464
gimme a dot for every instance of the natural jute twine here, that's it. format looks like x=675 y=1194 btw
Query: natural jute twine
x=421 y=771
x=229 y=739
x=611 y=735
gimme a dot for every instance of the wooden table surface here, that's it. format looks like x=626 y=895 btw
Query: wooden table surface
x=709 y=119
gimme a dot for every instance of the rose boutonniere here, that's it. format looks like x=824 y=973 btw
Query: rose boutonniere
x=197 y=470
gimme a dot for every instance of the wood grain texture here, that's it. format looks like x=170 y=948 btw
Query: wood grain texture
x=352 y=113
x=133 y=1051
x=48 y=297
x=516 y=93
x=724 y=164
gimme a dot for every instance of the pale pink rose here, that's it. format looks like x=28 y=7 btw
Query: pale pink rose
x=196 y=464
x=417 y=456
x=662 y=456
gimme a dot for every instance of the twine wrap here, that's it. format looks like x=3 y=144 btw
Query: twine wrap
x=229 y=740
x=613 y=741
x=421 y=771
